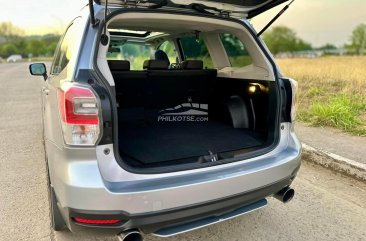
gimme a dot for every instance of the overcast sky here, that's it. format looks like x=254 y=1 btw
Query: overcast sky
x=316 y=21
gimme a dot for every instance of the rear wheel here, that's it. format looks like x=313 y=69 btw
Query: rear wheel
x=57 y=222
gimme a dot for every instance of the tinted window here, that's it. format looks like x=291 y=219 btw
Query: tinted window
x=136 y=53
x=169 y=48
x=67 y=48
x=195 y=49
x=235 y=50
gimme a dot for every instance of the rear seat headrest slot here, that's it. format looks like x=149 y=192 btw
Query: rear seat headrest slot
x=119 y=65
x=153 y=64
x=192 y=64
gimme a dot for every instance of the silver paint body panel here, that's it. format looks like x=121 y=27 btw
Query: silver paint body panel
x=88 y=179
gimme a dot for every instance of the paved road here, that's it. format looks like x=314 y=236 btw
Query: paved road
x=345 y=145
x=327 y=206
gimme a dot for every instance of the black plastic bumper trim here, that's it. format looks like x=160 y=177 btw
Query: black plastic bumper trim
x=153 y=221
x=184 y=228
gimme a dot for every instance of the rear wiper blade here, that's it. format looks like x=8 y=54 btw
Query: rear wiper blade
x=275 y=18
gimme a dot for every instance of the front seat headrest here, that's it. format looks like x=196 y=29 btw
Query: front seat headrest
x=152 y=64
x=161 y=55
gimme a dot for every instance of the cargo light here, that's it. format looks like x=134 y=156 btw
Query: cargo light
x=256 y=88
x=252 y=89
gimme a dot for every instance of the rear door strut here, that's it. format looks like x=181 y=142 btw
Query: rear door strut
x=275 y=18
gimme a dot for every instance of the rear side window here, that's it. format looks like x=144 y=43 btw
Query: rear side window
x=195 y=49
x=169 y=48
x=235 y=50
x=67 y=48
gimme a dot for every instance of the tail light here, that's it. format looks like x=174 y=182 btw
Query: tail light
x=79 y=111
x=294 y=88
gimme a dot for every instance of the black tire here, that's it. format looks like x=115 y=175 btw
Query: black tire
x=57 y=222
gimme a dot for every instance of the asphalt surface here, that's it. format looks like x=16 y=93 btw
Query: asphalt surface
x=327 y=206
x=334 y=141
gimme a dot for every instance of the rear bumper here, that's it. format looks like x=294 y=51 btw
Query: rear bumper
x=87 y=182
x=154 y=221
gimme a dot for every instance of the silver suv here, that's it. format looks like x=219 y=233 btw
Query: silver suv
x=165 y=116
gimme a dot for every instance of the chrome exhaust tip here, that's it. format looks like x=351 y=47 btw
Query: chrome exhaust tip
x=130 y=235
x=285 y=195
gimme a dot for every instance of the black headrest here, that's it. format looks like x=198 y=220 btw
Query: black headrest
x=156 y=64
x=119 y=65
x=161 y=55
x=192 y=64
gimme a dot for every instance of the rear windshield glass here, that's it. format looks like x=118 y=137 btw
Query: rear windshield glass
x=195 y=49
x=134 y=52
x=235 y=50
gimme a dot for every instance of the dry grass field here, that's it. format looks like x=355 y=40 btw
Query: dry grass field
x=332 y=91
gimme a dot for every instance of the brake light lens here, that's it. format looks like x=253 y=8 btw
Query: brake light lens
x=294 y=88
x=97 y=221
x=79 y=113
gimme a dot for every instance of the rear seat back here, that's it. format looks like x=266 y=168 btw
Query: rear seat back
x=174 y=87
x=128 y=83
x=177 y=86
x=119 y=65
x=192 y=64
x=153 y=64
x=142 y=94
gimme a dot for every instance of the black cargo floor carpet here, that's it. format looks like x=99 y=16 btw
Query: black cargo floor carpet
x=159 y=142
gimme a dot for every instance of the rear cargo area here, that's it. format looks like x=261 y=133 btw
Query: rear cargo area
x=152 y=144
x=174 y=117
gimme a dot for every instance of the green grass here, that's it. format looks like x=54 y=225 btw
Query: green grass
x=342 y=112
x=332 y=91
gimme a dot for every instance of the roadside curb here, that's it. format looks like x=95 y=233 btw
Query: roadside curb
x=335 y=162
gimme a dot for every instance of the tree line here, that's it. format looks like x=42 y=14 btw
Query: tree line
x=14 y=41
x=279 y=39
